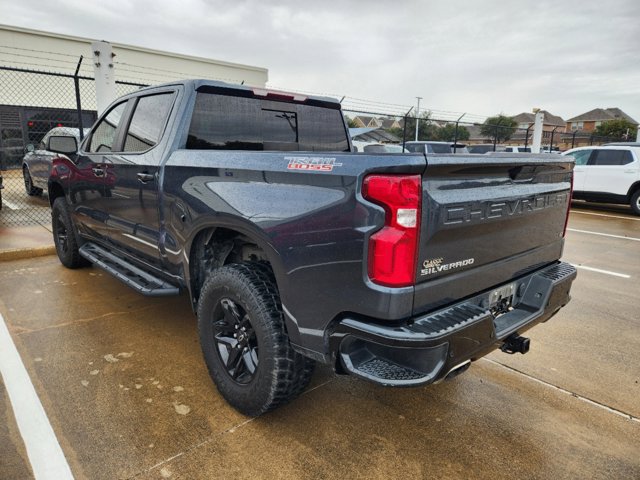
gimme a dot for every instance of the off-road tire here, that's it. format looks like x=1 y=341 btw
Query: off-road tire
x=281 y=373
x=635 y=202
x=64 y=236
x=28 y=183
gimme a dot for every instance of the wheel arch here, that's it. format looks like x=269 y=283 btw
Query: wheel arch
x=213 y=246
x=633 y=189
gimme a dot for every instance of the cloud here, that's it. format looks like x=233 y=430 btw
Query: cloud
x=461 y=55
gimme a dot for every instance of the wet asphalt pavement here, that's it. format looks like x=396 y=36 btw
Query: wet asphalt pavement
x=125 y=389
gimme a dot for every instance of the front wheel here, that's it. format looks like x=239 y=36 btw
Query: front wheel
x=28 y=183
x=635 y=202
x=64 y=236
x=244 y=341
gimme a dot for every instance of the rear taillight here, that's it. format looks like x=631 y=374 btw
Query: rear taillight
x=393 y=250
x=566 y=219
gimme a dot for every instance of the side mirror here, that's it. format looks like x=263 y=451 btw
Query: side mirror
x=62 y=144
x=30 y=147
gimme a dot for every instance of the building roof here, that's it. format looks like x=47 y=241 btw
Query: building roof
x=372 y=135
x=602 y=115
x=549 y=118
x=388 y=122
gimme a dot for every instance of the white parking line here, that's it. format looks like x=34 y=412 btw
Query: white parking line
x=606 y=272
x=44 y=452
x=604 y=234
x=605 y=215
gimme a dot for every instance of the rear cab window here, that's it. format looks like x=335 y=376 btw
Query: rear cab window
x=222 y=121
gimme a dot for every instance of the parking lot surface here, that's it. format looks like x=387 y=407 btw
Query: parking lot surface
x=123 y=384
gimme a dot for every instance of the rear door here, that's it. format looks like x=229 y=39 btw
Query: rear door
x=611 y=171
x=131 y=176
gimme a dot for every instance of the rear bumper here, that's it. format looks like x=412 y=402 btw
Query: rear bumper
x=427 y=348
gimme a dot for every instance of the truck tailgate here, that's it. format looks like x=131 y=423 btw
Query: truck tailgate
x=486 y=220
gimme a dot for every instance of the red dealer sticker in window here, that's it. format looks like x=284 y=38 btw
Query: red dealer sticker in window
x=318 y=164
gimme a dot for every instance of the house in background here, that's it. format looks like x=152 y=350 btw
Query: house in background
x=589 y=121
x=366 y=122
x=552 y=126
x=373 y=122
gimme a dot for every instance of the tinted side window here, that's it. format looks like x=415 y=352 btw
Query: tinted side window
x=105 y=133
x=415 y=147
x=439 y=148
x=611 y=157
x=582 y=156
x=224 y=122
x=147 y=122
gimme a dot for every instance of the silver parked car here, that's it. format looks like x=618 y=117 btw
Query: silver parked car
x=36 y=164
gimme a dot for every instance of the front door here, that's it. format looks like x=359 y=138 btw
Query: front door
x=580 y=170
x=87 y=174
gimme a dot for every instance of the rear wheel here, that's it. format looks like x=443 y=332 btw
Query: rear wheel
x=635 y=202
x=244 y=341
x=28 y=183
x=64 y=236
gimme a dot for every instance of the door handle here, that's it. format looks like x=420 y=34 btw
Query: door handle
x=144 y=177
x=98 y=171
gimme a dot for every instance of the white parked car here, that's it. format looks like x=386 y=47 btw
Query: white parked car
x=609 y=174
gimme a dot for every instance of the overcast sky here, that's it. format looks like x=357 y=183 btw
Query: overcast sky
x=482 y=57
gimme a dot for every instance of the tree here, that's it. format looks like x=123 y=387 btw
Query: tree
x=426 y=129
x=499 y=128
x=448 y=133
x=619 y=129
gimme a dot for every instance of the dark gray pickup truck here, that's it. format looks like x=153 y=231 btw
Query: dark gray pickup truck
x=397 y=268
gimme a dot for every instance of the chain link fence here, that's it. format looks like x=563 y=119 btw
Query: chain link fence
x=468 y=132
x=33 y=103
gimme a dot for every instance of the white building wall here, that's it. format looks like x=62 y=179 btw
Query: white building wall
x=32 y=49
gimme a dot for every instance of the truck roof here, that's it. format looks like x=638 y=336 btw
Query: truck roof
x=196 y=84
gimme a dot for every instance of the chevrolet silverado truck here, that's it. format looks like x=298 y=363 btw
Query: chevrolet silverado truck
x=400 y=269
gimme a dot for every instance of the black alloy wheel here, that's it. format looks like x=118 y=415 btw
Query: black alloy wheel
x=64 y=236
x=61 y=233
x=28 y=183
x=235 y=341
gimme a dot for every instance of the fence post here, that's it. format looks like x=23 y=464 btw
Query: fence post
x=76 y=82
x=104 y=73
x=573 y=138
x=526 y=136
x=495 y=134
x=552 y=134
x=455 y=135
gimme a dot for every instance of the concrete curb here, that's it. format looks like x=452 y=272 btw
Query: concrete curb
x=30 y=252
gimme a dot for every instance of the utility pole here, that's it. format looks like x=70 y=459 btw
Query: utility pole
x=418 y=116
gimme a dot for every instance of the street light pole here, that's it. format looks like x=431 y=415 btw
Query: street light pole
x=418 y=117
